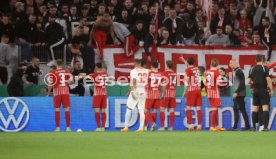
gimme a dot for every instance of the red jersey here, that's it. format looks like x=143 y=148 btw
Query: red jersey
x=99 y=79
x=154 y=83
x=170 y=81
x=211 y=79
x=60 y=79
x=193 y=76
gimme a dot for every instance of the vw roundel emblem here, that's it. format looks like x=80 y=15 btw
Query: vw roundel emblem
x=14 y=114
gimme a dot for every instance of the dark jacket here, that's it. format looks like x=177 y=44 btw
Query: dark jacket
x=54 y=33
x=168 y=23
x=26 y=31
x=15 y=87
x=215 y=20
x=272 y=33
x=239 y=82
x=149 y=40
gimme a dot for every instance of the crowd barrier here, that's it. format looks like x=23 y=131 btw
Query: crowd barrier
x=36 y=114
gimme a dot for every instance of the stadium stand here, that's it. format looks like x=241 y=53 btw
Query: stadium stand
x=83 y=28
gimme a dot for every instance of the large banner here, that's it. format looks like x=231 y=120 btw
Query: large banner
x=120 y=65
x=36 y=114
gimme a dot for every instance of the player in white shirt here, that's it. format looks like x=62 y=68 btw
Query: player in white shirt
x=137 y=96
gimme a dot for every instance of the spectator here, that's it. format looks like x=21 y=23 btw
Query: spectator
x=164 y=39
x=215 y=8
x=93 y=9
x=77 y=89
x=4 y=59
x=29 y=10
x=246 y=39
x=33 y=72
x=150 y=39
x=224 y=88
x=7 y=28
x=73 y=13
x=53 y=12
x=190 y=10
x=256 y=39
x=174 y=25
x=243 y=23
x=219 y=38
x=219 y=20
x=40 y=34
x=200 y=38
x=65 y=15
x=101 y=9
x=42 y=10
x=55 y=37
x=234 y=40
x=19 y=14
x=140 y=15
x=15 y=87
x=189 y=32
x=200 y=16
x=99 y=33
x=267 y=33
x=128 y=5
x=111 y=11
x=85 y=13
x=135 y=40
x=167 y=11
x=233 y=14
x=125 y=19
x=25 y=33
x=25 y=30
x=82 y=28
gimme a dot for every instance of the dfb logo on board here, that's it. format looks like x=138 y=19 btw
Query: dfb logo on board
x=14 y=114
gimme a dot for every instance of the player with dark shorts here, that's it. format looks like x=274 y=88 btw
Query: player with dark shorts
x=169 y=82
x=59 y=79
x=261 y=91
x=99 y=104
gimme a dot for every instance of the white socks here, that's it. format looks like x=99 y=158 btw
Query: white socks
x=127 y=117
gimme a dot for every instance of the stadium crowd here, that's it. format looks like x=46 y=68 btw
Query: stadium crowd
x=82 y=24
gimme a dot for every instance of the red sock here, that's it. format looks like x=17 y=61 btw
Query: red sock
x=199 y=117
x=103 y=119
x=67 y=118
x=154 y=116
x=148 y=116
x=214 y=118
x=57 y=117
x=189 y=116
x=162 y=119
x=97 y=117
x=171 y=119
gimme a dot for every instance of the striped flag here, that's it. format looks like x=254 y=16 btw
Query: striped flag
x=207 y=9
x=154 y=46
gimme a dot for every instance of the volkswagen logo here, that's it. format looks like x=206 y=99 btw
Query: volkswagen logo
x=14 y=114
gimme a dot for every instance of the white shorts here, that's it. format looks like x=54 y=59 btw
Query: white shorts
x=140 y=101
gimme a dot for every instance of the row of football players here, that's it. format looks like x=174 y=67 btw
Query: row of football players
x=149 y=91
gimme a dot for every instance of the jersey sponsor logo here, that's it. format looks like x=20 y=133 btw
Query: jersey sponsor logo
x=14 y=114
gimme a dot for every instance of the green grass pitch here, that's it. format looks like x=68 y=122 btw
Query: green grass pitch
x=148 y=145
